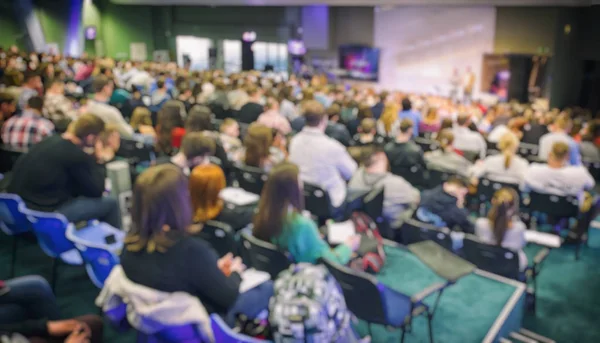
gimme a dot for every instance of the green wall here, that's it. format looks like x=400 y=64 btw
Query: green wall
x=122 y=25
x=9 y=27
x=525 y=30
x=54 y=19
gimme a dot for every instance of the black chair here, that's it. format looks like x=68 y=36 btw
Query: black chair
x=472 y=156
x=414 y=175
x=504 y=262
x=414 y=231
x=427 y=144
x=554 y=206
x=135 y=152
x=9 y=156
x=317 y=202
x=593 y=168
x=372 y=301
x=485 y=192
x=250 y=179
x=528 y=150
x=373 y=206
x=437 y=176
x=220 y=236
x=265 y=256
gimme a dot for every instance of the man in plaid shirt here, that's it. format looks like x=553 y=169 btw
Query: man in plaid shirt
x=23 y=131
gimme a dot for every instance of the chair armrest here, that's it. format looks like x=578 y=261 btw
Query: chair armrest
x=428 y=291
x=540 y=256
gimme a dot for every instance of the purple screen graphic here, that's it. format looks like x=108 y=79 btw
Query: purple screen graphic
x=360 y=62
x=90 y=32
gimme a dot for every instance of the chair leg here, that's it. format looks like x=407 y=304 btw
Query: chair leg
x=370 y=331
x=13 y=259
x=430 y=327
x=403 y=334
x=55 y=264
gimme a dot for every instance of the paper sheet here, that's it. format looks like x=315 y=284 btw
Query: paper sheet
x=338 y=233
x=238 y=196
x=252 y=278
x=542 y=238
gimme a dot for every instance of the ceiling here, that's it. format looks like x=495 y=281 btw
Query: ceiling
x=361 y=2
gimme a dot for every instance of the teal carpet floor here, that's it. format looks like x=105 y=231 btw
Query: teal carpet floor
x=568 y=307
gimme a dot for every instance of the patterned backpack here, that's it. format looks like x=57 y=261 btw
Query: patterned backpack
x=308 y=306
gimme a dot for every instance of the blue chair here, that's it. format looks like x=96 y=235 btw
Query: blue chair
x=13 y=221
x=99 y=245
x=375 y=303
x=224 y=334
x=50 y=230
x=187 y=333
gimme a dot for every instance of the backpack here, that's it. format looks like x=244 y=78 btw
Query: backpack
x=308 y=306
x=371 y=256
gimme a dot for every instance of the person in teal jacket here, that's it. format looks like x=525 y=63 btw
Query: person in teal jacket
x=280 y=221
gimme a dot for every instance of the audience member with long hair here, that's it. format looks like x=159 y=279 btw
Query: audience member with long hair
x=446 y=158
x=503 y=227
x=257 y=143
x=280 y=220
x=388 y=123
x=206 y=182
x=431 y=121
x=161 y=216
x=169 y=118
x=505 y=167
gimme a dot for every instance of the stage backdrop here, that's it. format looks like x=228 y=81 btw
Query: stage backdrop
x=420 y=46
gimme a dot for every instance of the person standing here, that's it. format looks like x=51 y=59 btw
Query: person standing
x=469 y=85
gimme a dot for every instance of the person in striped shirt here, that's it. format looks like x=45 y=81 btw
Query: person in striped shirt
x=24 y=130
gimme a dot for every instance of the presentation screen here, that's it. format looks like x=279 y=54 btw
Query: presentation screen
x=359 y=62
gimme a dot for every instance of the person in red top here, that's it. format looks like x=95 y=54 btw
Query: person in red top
x=24 y=130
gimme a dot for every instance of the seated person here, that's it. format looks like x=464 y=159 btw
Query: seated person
x=111 y=140
x=503 y=226
x=169 y=124
x=446 y=158
x=280 y=221
x=273 y=119
x=399 y=195
x=28 y=128
x=506 y=167
x=590 y=142
x=230 y=138
x=334 y=129
x=403 y=152
x=323 y=161
x=557 y=177
x=467 y=140
x=29 y=308
x=559 y=132
x=141 y=121
x=387 y=125
x=257 y=144
x=161 y=215
x=447 y=202
x=250 y=112
x=66 y=174
x=367 y=133
x=431 y=123
x=196 y=148
x=56 y=105
x=206 y=182
x=161 y=94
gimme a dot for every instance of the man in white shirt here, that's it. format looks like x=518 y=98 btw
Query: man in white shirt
x=323 y=161
x=558 y=133
x=103 y=89
x=467 y=140
x=557 y=177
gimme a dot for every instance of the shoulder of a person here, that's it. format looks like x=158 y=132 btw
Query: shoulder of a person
x=518 y=225
x=482 y=223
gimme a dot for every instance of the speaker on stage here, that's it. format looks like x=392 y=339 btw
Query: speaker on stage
x=247 y=55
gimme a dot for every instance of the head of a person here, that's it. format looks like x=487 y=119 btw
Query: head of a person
x=389 y=116
x=272 y=104
x=558 y=155
x=364 y=111
x=406 y=127
x=590 y=133
x=308 y=94
x=456 y=186
x=103 y=86
x=141 y=116
x=8 y=104
x=445 y=138
x=206 y=182
x=446 y=124
x=161 y=83
x=505 y=205
x=32 y=79
x=56 y=86
x=87 y=129
x=258 y=141
x=110 y=137
x=230 y=127
x=161 y=208
x=254 y=93
x=368 y=126
x=463 y=120
x=281 y=196
x=562 y=123
x=406 y=104
x=508 y=145
x=315 y=114
x=383 y=96
x=374 y=159
x=432 y=114
x=35 y=104
x=199 y=119
x=197 y=147
x=333 y=113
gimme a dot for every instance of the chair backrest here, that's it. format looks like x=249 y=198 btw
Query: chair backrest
x=413 y=175
x=486 y=188
x=437 y=177
x=317 y=202
x=525 y=150
x=13 y=219
x=472 y=156
x=594 y=169
x=361 y=291
x=186 y=333
x=427 y=144
x=224 y=334
x=492 y=258
x=220 y=236
x=373 y=204
x=265 y=256
x=98 y=263
x=414 y=231
x=50 y=230
x=9 y=156
x=250 y=179
x=135 y=151
x=553 y=205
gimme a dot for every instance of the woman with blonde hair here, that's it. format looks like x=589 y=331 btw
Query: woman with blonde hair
x=258 y=143
x=502 y=226
x=446 y=158
x=388 y=123
x=505 y=167
x=206 y=182
x=141 y=121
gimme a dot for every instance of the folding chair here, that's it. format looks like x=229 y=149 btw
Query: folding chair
x=317 y=202
x=375 y=303
x=559 y=209
x=135 y=152
x=250 y=179
x=220 y=236
x=427 y=144
x=414 y=231
x=594 y=169
x=265 y=256
x=486 y=190
x=472 y=156
x=438 y=176
x=13 y=222
x=414 y=175
x=224 y=334
x=189 y=333
x=504 y=262
x=528 y=150
x=9 y=156
x=373 y=206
